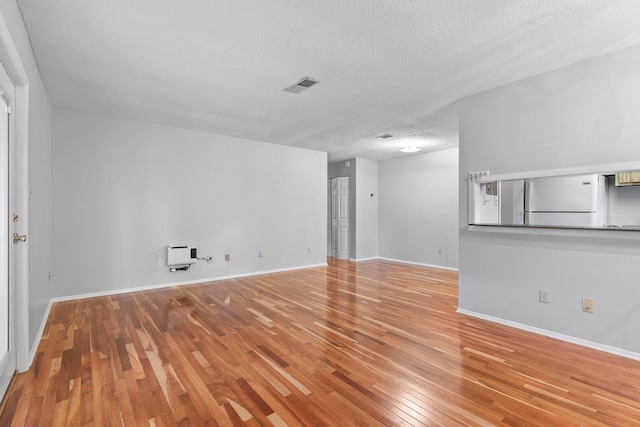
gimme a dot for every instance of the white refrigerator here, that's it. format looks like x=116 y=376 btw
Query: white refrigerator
x=567 y=201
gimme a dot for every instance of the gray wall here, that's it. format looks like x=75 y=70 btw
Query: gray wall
x=581 y=115
x=124 y=189
x=39 y=158
x=419 y=208
x=40 y=206
x=366 y=208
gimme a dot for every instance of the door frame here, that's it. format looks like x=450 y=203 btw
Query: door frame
x=14 y=66
x=7 y=102
x=330 y=237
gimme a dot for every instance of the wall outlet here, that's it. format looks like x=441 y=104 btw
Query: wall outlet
x=587 y=305
x=162 y=256
x=260 y=253
x=545 y=296
x=439 y=251
x=209 y=259
x=227 y=257
x=308 y=249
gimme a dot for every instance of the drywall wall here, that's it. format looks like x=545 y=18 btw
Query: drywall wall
x=40 y=207
x=419 y=208
x=585 y=114
x=335 y=170
x=366 y=198
x=39 y=230
x=124 y=189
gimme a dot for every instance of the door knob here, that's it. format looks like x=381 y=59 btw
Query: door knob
x=19 y=238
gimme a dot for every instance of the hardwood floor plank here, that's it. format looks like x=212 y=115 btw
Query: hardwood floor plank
x=372 y=343
x=34 y=415
x=75 y=401
x=9 y=405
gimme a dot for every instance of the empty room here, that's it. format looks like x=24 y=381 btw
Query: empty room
x=380 y=213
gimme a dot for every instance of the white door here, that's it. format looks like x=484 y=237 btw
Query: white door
x=7 y=299
x=340 y=217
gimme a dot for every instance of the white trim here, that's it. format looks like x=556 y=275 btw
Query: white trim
x=22 y=250
x=9 y=52
x=11 y=60
x=602 y=232
x=364 y=259
x=43 y=324
x=182 y=283
x=568 y=338
x=441 y=267
x=581 y=170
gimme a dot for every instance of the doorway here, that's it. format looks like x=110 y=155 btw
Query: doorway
x=7 y=294
x=339 y=233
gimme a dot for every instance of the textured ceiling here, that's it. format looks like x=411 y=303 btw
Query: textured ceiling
x=384 y=66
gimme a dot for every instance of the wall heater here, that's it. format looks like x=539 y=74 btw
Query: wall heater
x=180 y=257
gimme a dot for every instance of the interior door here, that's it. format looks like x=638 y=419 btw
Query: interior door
x=340 y=217
x=7 y=299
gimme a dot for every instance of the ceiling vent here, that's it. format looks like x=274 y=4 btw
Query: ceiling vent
x=303 y=84
x=384 y=136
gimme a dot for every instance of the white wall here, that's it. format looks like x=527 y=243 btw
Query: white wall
x=366 y=208
x=419 y=208
x=40 y=207
x=584 y=114
x=39 y=158
x=125 y=189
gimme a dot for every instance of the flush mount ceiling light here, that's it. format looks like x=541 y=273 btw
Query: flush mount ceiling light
x=413 y=149
x=302 y=84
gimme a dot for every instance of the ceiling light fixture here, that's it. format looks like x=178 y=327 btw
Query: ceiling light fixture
x=302 y=84
x=413 y=149
x=384 y=136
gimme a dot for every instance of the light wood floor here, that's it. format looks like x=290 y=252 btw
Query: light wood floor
x=372 y=343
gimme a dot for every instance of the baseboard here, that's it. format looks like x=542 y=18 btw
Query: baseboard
x=365 y=259
x=36 y=342
x=441 y=267
x=181 y=283
x=568 y=338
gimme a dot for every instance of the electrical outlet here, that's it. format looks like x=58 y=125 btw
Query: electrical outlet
x=209 y=259
x=227 y=257
x=162 y=256
x=545 y=296
x=260 y=253
x=308 y=249
x=439 y=251
x=587 y=305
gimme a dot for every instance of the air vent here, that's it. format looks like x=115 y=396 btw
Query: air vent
x=301 y=85
x=384 y=136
